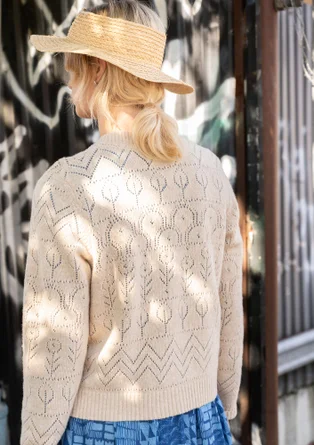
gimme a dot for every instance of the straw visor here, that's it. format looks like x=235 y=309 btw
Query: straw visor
x=133 y=47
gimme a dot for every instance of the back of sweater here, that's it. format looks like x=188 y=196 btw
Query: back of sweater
x=133 y=289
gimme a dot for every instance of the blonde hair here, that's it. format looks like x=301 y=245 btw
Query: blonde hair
x=153 y=132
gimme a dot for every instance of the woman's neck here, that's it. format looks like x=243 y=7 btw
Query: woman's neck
x=124 y=117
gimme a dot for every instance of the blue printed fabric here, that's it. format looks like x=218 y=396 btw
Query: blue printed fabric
x=207 y=425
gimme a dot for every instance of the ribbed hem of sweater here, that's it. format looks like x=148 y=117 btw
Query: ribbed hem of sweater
x=143 y=405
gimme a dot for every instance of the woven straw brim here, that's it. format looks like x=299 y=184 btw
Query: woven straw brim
x=55 y=44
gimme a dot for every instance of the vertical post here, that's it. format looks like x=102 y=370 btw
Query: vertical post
x=253 y=429
x=256 y=71
x=269 y=63
x=240 y=141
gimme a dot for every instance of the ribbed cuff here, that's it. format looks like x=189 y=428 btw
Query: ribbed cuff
x=231 y=413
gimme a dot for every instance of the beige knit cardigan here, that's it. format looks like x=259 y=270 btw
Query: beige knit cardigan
x=133 y=289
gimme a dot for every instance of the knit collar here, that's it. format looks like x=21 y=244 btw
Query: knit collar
x=120 y=140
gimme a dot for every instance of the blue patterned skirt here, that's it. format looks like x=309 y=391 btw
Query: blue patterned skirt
x=207 y=425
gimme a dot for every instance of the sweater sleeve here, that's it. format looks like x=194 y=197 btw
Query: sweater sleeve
x=55 y=310
x=230 y=291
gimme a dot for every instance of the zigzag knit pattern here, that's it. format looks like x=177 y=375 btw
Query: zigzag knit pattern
x=133 y=289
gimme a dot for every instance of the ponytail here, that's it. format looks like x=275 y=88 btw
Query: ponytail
x=155 y=133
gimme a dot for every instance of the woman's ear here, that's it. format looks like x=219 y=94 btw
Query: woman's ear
x=100 y=69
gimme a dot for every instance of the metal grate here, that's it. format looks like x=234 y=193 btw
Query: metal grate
x=296 y=220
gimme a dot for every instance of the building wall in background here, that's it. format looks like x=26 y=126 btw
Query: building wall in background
x=296 y=218
x=296 y=250
x=296 y=414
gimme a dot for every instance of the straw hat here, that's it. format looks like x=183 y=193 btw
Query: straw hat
x=133 y=47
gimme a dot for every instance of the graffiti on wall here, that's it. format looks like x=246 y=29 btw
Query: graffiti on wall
x=37 y=127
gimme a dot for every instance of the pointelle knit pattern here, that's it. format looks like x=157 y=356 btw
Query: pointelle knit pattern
x=133 y=289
